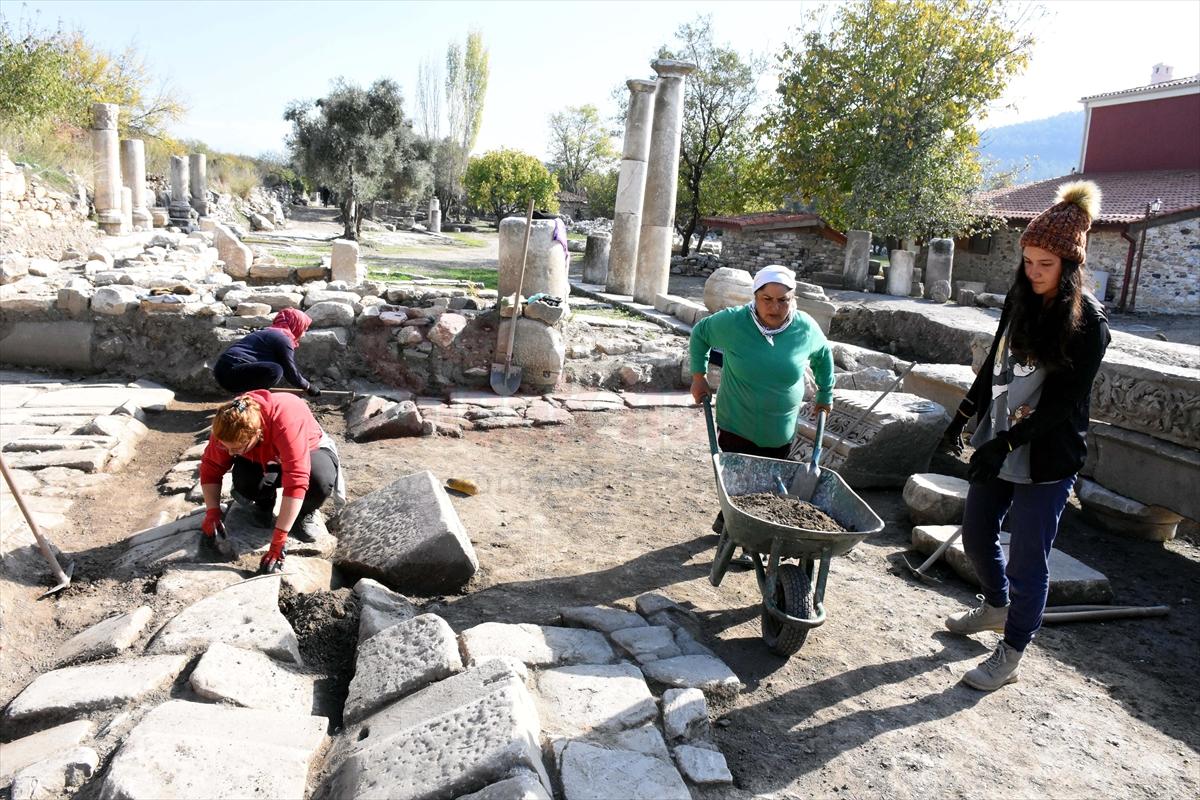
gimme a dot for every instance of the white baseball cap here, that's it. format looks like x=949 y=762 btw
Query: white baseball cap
x=774 y=273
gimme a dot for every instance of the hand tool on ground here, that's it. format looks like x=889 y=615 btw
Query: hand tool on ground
x=339 y=395
x=919 y=572
x=805 y=481
x=1056 y=614
x=62 y=576
x=506 y=378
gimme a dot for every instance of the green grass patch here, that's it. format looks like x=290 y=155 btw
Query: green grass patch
x=577 y=237
x=488 y=277
x=467 y=239
x=296 y=259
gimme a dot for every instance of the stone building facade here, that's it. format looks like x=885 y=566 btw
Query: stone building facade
x=994 y=260
x=801 y=242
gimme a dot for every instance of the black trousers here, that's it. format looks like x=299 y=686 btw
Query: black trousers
x=244 y=377
x=250 y=480
x=732 y=443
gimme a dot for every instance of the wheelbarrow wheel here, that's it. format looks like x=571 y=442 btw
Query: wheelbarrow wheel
x=794 y=596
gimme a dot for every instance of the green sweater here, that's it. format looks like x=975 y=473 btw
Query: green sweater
x=762 y=385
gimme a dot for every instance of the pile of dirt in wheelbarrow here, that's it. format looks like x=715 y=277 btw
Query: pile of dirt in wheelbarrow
x=784 y=510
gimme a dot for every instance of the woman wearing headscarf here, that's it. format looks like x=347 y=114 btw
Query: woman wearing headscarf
x=267 y=356
x=1031 y=399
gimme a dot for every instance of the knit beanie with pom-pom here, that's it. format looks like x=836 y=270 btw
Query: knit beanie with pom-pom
x=1062 y=228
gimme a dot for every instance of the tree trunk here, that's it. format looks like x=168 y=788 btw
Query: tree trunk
x=349 y=212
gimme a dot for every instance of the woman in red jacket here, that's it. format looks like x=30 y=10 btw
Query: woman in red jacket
x=267 y=438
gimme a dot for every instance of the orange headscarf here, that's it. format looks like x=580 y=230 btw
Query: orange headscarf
x=293 y=322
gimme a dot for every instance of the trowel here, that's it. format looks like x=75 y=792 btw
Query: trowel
x=506 y=378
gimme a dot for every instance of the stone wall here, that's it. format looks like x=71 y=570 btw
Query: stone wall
x=1170 y=279
x=1106 y=252
x=803 y=251
x=36 y=220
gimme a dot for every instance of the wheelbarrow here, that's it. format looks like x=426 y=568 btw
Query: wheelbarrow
x=793 y=592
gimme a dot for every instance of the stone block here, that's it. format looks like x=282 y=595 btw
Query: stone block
x=237 y=257
x=105 y=638
x=856 y=264
x=707 y=673
x=344 y=265
x=51 y=777
x=21 y=753
x=400 y=660
x=867 y=378
x=76 y=690
x=935 y=499
x=542 y=413
x=250 y=679
x=727 y=287
x=538 y=350
x=544 y=312
x=1071 y=581
x=702 y=766
x=601 y=618
x=202 y=750
x=460 y=751
x=594 y=773
x=277 y=300
x=407 y=536
x=894 y=441
x=245 y=615
x=193 y=582
x=306 y=575
x=1150 y=470
x=944 y=384
x=1134 y=392
x=525 y=785
x=576 y=700
x=658 y=399
x=939 y=268
x=446 y=329
x=1124 y=515
x=685 y=714
x=821 y=311
x=535 y=645
x=115 y=300
x=67 y=345
x=331 y=314
x=900 y=273
x=647 y=643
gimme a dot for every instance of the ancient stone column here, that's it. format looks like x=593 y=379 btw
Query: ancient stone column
x=662 y=172
x=596 y=257
x=900 y=273
x=856 y=271
x=631 y=186
x=939 y=269
x=106 y=155
x=126 y=210
x=198 y=180
x=434 y=223
x=181 y=207
x=545 y=266
x=133 y=173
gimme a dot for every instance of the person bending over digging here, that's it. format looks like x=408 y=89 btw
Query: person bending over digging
x=262 y=359
x=268 y=438
x=766 y=345
x=1031 y=398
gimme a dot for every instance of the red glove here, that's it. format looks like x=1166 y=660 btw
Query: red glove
x=272 y=561
x=212 y=518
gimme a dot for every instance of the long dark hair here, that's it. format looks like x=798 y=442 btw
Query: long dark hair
x=1040 y=331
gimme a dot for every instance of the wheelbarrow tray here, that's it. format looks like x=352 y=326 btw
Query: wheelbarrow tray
x=738 y=474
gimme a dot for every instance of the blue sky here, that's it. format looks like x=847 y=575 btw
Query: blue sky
x=238 y=64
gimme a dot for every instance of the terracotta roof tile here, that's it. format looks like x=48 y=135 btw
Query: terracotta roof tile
x=1124 y=194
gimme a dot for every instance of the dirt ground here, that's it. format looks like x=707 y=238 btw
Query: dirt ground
x=620 y=503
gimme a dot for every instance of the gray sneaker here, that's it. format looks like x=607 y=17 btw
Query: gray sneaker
x=306 y=528
x=981 y=618
x=996 y=670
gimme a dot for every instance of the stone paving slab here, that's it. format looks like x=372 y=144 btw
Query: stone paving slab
x=702 y=766
x=601 y=618
x=525 y=785
x=200 y=751
x=543 y=413
x=576 y=700
x=934 y=499
x=685 y=713
x=398 y=661
x=51 y=777
x=109 y=396
x=88 y=460
x=306 y=575
x=408 y=536
x=594 y=773
x=105 y=638
x=648 y=643
x=458 y=752
x=479 y=397
x=1071 y=581
x=42 y=443
x=710 y=675
x=611 y=398
x=73 y=690
x=244 y=615
x=21 y=753
x=251 y=679
x=193 y=582
x=535 y=645
x=659 y=400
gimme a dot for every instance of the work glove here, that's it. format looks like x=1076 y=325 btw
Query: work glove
x=212 y=520
x=989 y=458
x=313 y=390
x=951 y=441
x=272 y=560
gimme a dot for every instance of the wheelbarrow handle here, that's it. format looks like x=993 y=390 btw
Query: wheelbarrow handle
x=712 y=427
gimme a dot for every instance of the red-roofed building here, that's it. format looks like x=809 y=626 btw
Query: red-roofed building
x=1141 y=146
x=803 y=242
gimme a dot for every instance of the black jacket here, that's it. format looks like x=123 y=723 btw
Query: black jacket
x=1056 y=431
x=266 y=344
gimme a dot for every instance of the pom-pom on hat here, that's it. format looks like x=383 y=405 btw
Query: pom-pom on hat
x=1062 y=228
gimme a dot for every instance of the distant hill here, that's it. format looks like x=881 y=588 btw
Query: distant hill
x=1050 y=145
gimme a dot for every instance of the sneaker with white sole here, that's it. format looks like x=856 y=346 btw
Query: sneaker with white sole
x=996 y=670
x=983 y=617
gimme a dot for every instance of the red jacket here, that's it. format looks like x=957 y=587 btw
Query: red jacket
x=290 y=433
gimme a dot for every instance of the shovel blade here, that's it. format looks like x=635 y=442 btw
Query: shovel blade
x=804 y=482
x=505 y=379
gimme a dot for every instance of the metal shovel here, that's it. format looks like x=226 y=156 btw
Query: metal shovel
x=506 y=378
x=62 y=576
x=804 y=482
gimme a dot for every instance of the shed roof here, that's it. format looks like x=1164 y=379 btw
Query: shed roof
x=1124 y=195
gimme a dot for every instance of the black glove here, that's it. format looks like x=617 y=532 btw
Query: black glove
x=988 y=459
x=951 y=441
x=313 y=390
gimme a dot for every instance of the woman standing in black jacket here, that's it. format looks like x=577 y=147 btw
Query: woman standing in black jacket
x=1031 y=398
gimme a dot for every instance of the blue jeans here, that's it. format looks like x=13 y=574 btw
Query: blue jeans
x=1030 y=512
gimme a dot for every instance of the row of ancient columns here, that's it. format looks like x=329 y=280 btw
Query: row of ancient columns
x=120 y=178
x=639 y=261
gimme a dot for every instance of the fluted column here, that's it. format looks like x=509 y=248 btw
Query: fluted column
x=181 y=207
x=133 y=173
x=662 y=171
x=198 y=182
x=106 y=155
x=631 y=186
